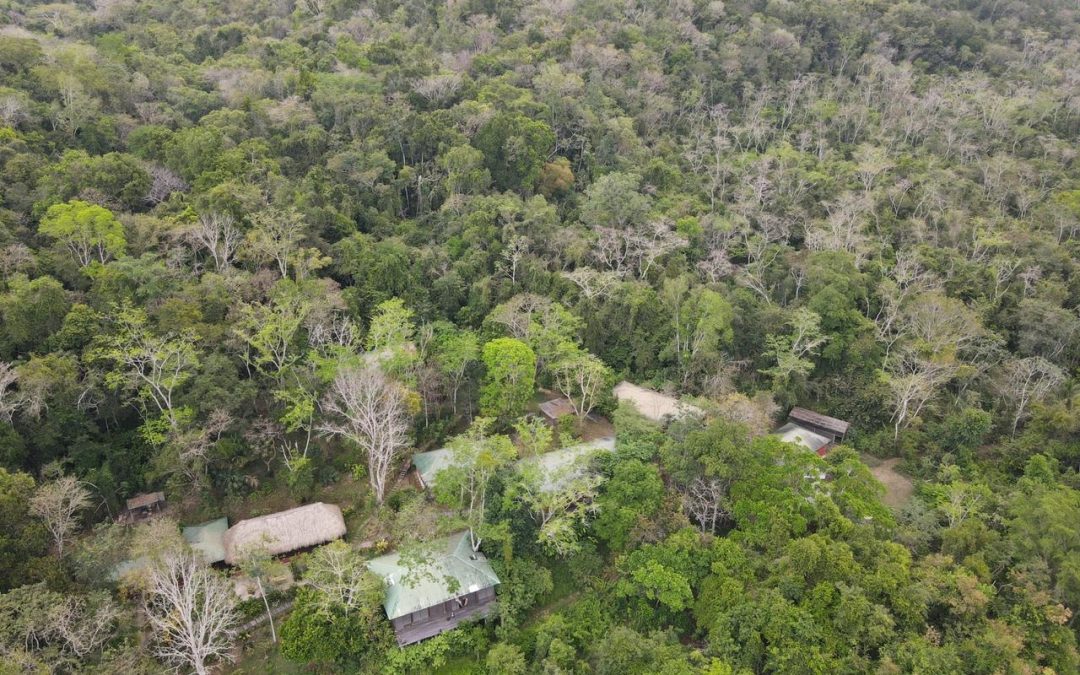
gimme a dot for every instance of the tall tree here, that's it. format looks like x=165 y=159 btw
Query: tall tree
x=89 y=231
x=58 y=503
x=191 y=611
x=509 y=380
x=368 y=408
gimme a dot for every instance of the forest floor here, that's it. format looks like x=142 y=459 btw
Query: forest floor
x=898 y=487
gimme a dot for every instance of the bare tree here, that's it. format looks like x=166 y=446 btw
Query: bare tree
x=368 y=408
x=164 y=182
x=1026 y=381
x=705 y=501
x=84 y=626
x=218 y=235
x=191 y=610
x=913 y=382
x=9 y=398
x=592 y=283
x=57 y=504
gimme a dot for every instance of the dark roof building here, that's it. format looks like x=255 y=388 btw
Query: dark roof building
x=824 y=425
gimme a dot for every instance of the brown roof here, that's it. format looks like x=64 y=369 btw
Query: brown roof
x=818 y=420
x=145 y=500
x=557 y=407
x=285 y=531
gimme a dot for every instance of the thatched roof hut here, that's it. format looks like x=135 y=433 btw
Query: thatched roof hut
x=285 y=531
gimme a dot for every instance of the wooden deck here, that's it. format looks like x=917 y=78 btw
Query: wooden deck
x=422 y=631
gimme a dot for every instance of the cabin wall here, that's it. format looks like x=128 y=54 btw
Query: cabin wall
x=431 y=621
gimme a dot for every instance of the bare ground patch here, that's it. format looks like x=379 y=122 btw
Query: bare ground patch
x=898 y=487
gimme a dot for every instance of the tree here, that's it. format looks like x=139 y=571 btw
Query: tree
x=477 y=455
x=1026 y=381
x=369 y=409
x=506 y=659
x=190 y=609
x=152 y=365
x=534 y=435
x=257 y=562
x=515 y=148
x=58 y=504
x=913 y=382
x=218 y=235
x=702 y=322
x=455 y=351
x=89 y=231
x=560 y=500
x=270 y=330
x=509 y=380
x=790 y=351
x=9 y=398
x=274 y=237
x=342 y=578
x=583 y=379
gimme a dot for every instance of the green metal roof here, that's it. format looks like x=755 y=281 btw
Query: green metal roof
x=429 y=464
x=428 y=583
x=208 y=539
x=559 y=467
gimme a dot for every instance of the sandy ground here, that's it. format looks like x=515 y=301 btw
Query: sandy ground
x=898 y=487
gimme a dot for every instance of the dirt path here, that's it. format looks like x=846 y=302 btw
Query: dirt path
x=898 y=487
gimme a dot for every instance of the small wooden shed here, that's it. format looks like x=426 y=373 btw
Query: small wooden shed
x=142 y=507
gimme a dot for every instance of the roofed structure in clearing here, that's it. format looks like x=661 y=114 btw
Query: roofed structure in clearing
x=652 y=404
x=818 y=421
x=557 y=407
x=285 y=531
x=429 y=464
x=146 y=500
x=208 y=539
x=559 y=467
x=449 y=569
x=793 y=433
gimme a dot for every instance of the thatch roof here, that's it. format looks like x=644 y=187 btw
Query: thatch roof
x=446 y=569
x=652 y=404
x=208 y=539
x=285 y=531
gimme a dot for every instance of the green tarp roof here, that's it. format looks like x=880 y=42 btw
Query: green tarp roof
x=432 y=581
x=559 y=467
x=428 y=464
x=208 y=539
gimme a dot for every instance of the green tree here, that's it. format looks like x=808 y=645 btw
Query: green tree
x=31 y=311
x=477 y=456
x=515 y=149
x=509 y=379
x=89 y=231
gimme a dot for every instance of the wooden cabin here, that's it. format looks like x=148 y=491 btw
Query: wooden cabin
x=452 y=585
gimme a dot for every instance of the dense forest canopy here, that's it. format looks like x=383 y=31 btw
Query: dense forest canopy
x=256 y=253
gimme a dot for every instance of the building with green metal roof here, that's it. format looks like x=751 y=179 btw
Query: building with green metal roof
x=208 y=539
x=429 y=464
x=447 y=584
